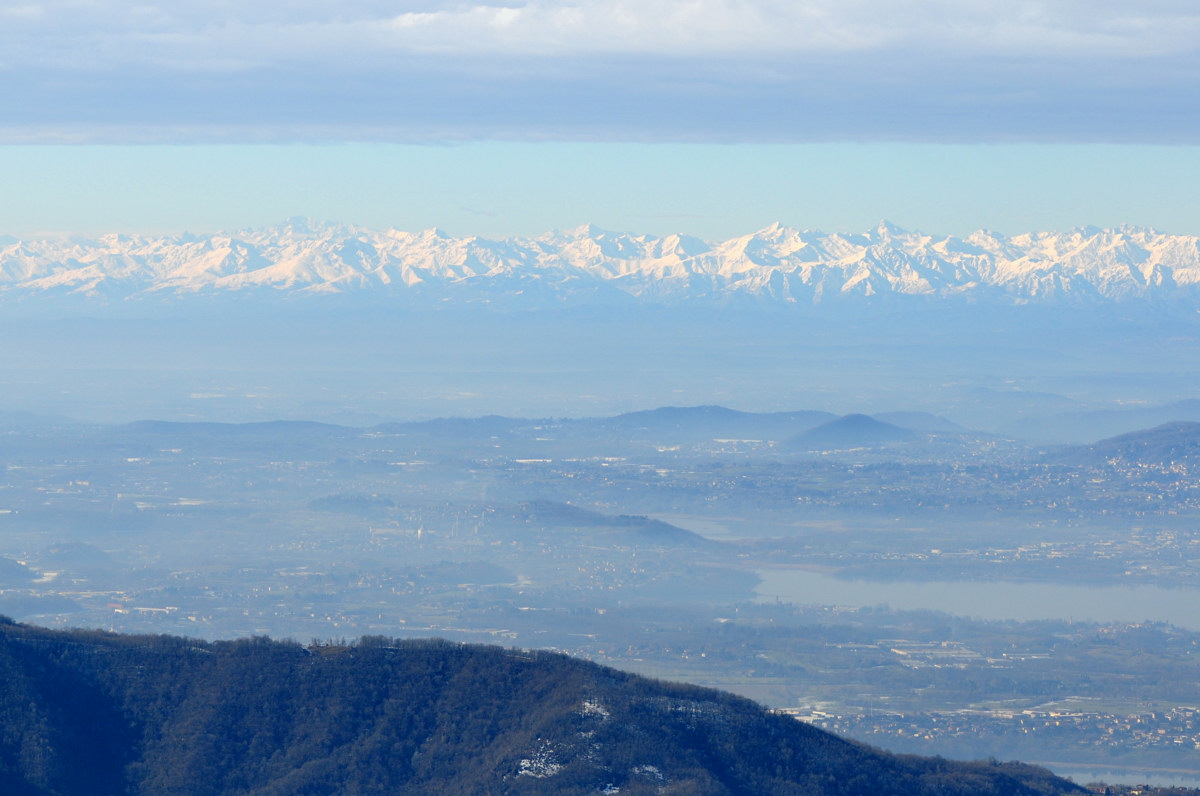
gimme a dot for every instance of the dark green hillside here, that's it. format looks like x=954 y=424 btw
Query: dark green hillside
x=94 y=714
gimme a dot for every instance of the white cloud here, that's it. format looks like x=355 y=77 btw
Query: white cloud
x=1034 y=65
x=195 y=30
x=675 y=27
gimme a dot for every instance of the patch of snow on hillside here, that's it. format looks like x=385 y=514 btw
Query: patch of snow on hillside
x=542 y=765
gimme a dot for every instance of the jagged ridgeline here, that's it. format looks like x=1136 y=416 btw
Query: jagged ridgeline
x=89 y=713
x=775 y=265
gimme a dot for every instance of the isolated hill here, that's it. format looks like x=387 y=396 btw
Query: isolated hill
x=850 y=431
x=94 y=713
x=587 y=265
x=1163 y=445
x=629 y=528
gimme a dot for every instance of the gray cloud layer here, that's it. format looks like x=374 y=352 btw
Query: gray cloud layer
x=784 y=70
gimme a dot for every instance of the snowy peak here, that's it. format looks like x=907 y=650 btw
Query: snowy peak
x=776 y=264
x=886 y=230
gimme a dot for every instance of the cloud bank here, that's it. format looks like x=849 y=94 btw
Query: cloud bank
x=765 y=70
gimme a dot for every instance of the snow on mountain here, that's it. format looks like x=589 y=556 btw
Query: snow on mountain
x=776 y=264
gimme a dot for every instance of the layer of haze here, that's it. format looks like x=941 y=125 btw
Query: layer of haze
x=499 y=189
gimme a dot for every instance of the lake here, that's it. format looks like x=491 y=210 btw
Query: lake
x=988 y=599
x=1163 y=778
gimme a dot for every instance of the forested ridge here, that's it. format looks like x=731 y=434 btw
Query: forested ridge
x=88 y=713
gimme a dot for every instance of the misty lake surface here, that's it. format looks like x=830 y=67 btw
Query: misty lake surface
x=988 y=599
x=1083 y=774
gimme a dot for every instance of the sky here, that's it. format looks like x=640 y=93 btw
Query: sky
x=712 y=117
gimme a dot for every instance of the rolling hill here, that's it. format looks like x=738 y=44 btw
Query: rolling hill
x=87 y=713
x=850 y=431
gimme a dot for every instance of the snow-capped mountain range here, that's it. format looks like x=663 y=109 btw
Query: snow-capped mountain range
x=776 y=264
